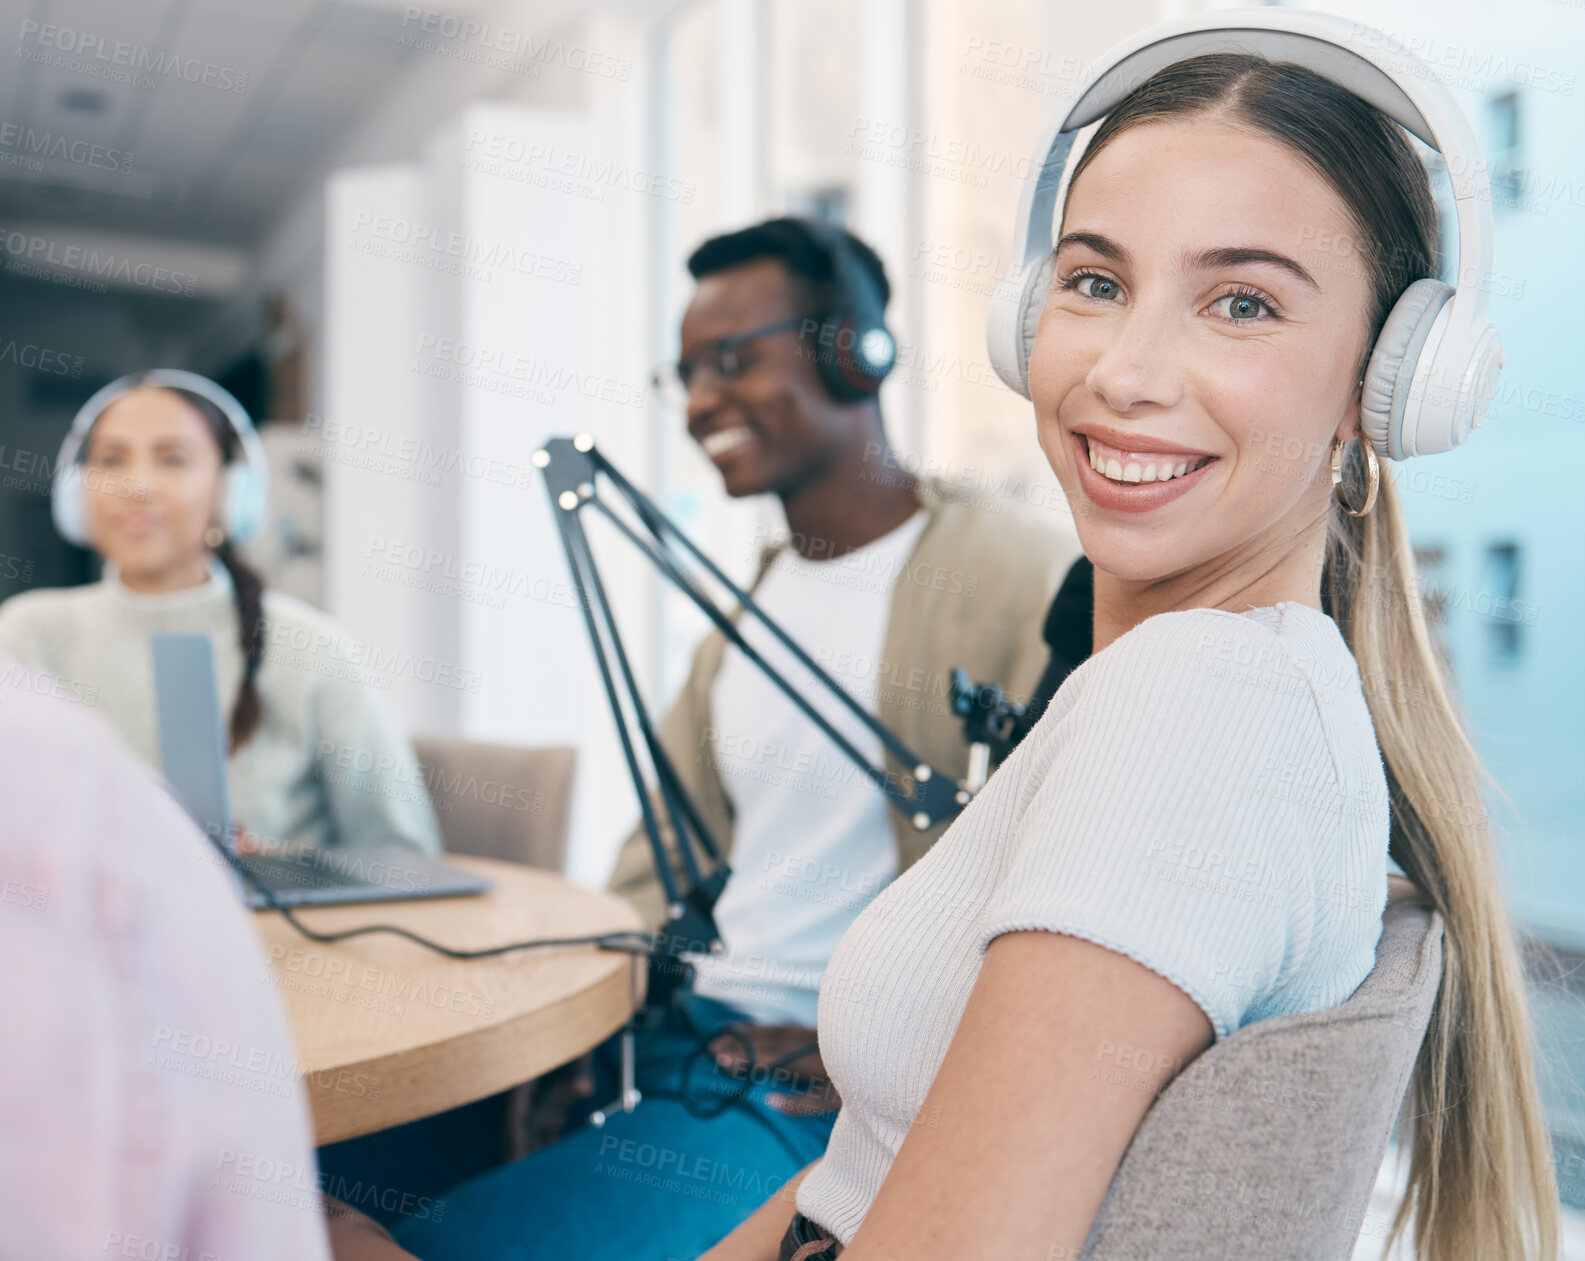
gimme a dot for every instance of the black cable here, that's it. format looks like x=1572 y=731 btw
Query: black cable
x=702 y=1048
x=629 y=941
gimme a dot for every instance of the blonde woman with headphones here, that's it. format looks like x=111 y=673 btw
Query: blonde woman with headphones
x=1227 y=325
x=162 y=474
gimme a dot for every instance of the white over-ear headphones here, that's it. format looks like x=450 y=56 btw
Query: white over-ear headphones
x=244 y=494
x=1433 y=370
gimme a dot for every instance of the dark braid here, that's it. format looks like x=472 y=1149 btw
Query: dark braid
x=246 y=584
x=249 y=591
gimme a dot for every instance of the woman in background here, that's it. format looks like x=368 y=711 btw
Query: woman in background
x=172 y=477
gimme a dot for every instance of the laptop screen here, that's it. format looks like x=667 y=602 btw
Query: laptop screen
x=192 y=740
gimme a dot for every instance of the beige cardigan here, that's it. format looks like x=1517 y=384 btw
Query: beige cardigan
x=973 y=594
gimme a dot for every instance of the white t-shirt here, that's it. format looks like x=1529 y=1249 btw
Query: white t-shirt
x=812 y=843
x=1204 y=795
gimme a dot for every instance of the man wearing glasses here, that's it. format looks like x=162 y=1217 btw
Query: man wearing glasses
x=887 y=581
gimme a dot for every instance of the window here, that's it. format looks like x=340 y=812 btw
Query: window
x=1505 y=611
x=829 y=204
x=1428 y=563
x=1507 y=162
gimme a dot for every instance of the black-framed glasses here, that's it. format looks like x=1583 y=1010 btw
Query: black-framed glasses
x=717 y=359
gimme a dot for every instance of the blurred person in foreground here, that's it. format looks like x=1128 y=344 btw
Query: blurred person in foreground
x=149 y=1086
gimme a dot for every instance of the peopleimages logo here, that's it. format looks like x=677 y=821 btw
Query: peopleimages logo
x=27 y=254
x=56 y=363
x=45 y=144
x=96 y=56
x=1464 y=66
x=568 y=170
x=520 y=47
x=459 y=252
x=473 y=363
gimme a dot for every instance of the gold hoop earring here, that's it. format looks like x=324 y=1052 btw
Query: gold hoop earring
x=214 y=536
x=1372 y=472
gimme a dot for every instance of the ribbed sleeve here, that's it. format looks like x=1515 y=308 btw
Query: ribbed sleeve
x=1162 y=828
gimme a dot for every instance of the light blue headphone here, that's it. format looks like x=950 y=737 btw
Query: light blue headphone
x=244 y=493
x=1433 y=370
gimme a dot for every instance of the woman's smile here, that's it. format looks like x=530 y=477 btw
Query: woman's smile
x=1132 y=491
x=138 y=521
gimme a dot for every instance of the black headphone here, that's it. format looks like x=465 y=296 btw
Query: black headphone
x=852 y=347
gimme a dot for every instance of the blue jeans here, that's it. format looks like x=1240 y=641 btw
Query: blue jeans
x=656 y=1184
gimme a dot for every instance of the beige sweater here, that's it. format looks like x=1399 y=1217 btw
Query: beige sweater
x=328 y=764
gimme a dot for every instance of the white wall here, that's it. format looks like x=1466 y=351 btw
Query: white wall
x=377 y=501
x=470 y=316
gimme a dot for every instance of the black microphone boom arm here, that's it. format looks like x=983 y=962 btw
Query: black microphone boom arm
x=572 y=467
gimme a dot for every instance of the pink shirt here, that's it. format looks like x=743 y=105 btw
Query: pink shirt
x=149 y=1097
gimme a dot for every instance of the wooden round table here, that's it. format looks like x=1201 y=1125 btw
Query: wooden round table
x=388 y=1031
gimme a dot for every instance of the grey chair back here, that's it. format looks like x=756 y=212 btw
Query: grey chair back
x=505 y=801
x=1267 y=1146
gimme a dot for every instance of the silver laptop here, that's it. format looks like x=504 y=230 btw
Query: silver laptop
x=193 y=759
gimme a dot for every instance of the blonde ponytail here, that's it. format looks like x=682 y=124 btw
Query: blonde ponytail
x=1481 y=1182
